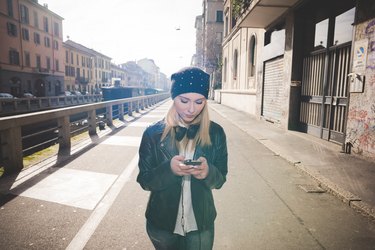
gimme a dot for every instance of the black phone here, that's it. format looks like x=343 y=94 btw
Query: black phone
x=192 y=163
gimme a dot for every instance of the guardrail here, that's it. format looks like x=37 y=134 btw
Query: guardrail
x=23 y=105
x=11 y=126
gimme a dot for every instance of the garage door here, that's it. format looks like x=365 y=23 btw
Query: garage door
x=272 y=89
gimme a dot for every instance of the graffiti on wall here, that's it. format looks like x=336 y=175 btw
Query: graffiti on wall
x=361 y=135
x=370 y=34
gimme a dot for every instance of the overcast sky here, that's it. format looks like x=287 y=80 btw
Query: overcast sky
x=128 y=30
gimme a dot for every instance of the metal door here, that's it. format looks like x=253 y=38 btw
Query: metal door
x=324 y=92
x=272 y=89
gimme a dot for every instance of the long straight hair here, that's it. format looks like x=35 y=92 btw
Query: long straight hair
x=172 y=119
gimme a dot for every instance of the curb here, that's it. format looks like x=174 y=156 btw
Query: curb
x=345 y=196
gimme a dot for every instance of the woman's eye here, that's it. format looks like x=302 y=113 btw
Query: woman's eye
x=184 y=101
x=199 y=102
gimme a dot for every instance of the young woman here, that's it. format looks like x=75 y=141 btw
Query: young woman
x=181 y=159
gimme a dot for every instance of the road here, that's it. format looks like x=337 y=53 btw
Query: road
x=93 y=201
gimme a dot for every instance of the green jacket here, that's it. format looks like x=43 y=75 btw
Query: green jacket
x=155 y=175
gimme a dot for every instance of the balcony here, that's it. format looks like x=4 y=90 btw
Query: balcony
x=43 y=71
x=260 y=13
x=82 y=80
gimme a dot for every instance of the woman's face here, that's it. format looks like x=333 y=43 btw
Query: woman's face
x=189 y=106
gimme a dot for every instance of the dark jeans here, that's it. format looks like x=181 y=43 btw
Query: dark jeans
x=196 y=240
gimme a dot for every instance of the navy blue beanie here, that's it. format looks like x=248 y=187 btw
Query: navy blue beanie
x=190 y=80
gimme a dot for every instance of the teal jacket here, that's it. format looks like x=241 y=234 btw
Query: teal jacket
x=155 y=175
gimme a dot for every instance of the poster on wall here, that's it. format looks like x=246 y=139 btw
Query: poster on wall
x=360 y=56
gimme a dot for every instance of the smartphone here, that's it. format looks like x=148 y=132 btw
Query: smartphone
x=192 y=163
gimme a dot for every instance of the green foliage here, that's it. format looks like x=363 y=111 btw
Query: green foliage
x=236 y=8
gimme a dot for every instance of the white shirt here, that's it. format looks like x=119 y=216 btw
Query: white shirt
x=185 y=221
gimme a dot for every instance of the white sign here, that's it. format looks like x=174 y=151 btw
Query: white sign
x=360 y=56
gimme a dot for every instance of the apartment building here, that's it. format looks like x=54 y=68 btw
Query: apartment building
x=86 y=70
x=31 y=54
x=242 y=52
x=79 y=68
x=209 y=31
x=314 y=67
x=118 y=75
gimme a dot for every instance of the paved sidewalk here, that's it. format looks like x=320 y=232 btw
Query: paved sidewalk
x=348 y=177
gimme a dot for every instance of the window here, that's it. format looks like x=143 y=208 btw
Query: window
x=10 y=7
x=219 y=37
x=235 y=65
x=55 y=45
x=36 y=20
x=344 y=24
x=219 y=16
x=25 y=34
x=226 y=29
x=66 y=56
x=71 y=58
x=321 y=33
x=36 y=38
x=56 y=29
x=47 y=42
x=12 y=29
x=57 y=68
x=66 y=70
x=45 y=24
x=83 y=61
x=14 y=57
x=77 y=59
x=38 y=61
x=78 y=72
x=24 y=14
x=225 y=69
x=48 y=61
x=27 y=59
x=252 y=51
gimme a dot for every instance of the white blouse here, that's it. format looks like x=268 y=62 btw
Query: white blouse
x=185 y=218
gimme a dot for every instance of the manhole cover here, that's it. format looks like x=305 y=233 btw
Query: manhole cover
x=308 y=188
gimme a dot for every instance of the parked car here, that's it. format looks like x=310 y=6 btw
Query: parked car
x=6 y=96
x=76 y=92
x=28 y=95
x=66 y=93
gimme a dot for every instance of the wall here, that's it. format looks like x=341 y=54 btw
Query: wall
x=240 y=93
x=361 y=116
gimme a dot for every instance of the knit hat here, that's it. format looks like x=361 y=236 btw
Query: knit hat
x=190 y=80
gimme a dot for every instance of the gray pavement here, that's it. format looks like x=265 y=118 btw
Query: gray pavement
x=350 y=178
x=91 y=200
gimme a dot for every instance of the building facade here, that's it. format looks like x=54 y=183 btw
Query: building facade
x=242 y=54
x=118 y=75
x=209 y=31
x=31 y=51
x=314 y=70
x=78 y=68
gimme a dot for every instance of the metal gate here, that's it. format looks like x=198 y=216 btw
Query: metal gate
x=324 y=93
x=272 y=89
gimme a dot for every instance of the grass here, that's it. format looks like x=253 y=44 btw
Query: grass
x=44 y=154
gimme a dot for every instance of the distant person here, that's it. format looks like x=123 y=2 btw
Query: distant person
x=181 y=212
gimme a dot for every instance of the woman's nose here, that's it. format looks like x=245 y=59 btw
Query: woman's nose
x=191 y=108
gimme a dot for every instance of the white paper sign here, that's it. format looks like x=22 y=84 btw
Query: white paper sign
x=360 y=56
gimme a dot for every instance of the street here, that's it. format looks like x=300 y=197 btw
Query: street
x=93 y=201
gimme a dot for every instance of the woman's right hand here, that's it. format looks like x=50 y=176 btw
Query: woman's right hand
x=178 y=167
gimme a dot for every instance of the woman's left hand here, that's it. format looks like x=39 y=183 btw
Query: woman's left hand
x=202 y=170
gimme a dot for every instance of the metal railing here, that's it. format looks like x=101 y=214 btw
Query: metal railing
x=11 y=127
x=23 y=105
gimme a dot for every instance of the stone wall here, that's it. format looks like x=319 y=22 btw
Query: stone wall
x=361 y=116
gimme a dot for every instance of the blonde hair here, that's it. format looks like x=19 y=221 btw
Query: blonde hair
x=172 y=119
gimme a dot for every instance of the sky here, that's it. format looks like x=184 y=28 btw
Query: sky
x=130 y=30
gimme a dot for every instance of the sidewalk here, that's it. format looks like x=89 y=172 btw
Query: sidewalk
x=346 y=176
